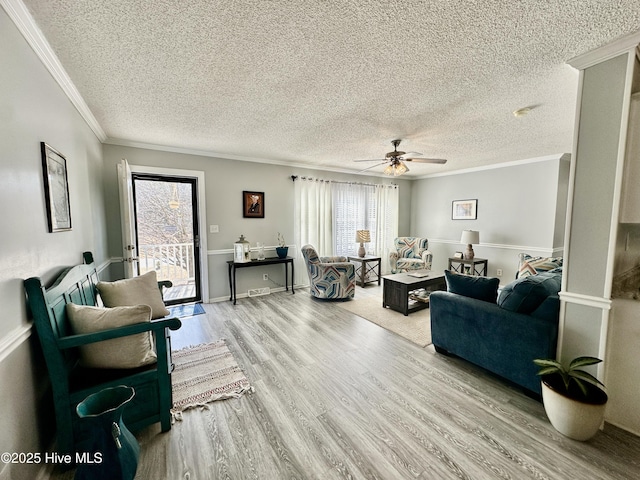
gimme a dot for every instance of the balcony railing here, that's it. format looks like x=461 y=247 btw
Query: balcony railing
x=173 y=262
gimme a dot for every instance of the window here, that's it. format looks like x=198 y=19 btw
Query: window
x=329 y=213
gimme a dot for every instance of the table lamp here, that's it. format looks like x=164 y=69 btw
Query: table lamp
x=362 y=237
x=470 y=237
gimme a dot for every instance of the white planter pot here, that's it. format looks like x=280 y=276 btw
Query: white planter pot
x=572 y=418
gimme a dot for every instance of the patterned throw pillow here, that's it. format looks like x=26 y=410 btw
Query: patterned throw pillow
x=531 y=265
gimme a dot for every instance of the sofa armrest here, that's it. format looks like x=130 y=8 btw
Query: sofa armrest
x=393 y=260
x=337 y=259
x=427 y=257
x=347 y=266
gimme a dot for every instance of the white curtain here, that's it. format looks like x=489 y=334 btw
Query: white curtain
x=388 y=211
x=313 y=214
x=327 y=215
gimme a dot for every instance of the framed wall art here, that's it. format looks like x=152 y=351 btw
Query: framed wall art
x=464 y=209
x=56 y=189
x=253 y=204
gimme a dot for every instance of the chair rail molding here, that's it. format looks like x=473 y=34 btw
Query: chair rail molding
x=14 y=339
x=548 y=251
x=587 y=300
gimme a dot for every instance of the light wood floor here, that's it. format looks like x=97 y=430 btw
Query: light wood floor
x=339 y=397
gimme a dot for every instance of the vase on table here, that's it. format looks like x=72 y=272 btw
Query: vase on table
x=260 y=246
x=114 y=451
x=282 y=251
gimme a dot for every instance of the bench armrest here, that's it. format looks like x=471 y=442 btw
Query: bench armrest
x=155 y=326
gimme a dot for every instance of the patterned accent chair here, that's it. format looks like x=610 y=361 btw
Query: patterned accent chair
x=528 y=265
x=329 y=277
x=411 y=253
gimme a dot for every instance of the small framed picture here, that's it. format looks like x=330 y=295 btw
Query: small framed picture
x=56 y=189
x=464 y=209
x=253 y=204
x=458 y=255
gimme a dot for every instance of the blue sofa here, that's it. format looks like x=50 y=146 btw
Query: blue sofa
x=502 y=334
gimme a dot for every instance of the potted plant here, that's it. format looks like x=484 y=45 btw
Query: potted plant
x=282 y=249
x=573 y=399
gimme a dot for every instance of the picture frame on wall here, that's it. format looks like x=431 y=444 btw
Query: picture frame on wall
x=252 y=204
x=464 y=209
x=56 y=189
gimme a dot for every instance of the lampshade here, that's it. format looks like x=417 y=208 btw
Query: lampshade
x=363 y=236
x=470 y=237
x=396 y=169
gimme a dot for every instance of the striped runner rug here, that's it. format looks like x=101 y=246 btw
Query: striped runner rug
x=205 y=373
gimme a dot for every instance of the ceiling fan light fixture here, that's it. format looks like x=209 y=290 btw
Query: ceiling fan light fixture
x=396 y=168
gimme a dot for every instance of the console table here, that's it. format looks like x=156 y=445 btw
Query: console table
x=364 y=269
x=475 y=266
x=233 y=266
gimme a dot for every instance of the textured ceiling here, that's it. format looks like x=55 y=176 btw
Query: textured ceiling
x=322 y=83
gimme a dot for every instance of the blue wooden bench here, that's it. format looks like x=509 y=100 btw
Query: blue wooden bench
x=70 y=382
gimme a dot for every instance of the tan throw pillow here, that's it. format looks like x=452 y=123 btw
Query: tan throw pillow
x=126 y=352
x=142 y=290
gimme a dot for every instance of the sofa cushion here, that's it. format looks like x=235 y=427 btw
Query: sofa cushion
x=127 y=352
x=480 y=288
x=531 y=265
x=525 y=294
x=142 y=290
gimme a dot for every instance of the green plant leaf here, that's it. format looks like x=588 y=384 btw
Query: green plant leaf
x=587 y=377
x=583 y=362
x=543 y=362
x=580 y=383
x=548 y=370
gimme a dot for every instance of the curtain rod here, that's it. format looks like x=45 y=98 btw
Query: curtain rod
x=294 y=177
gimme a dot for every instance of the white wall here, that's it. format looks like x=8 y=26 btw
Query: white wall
x=33 y=108
x=521 y=208
x=225 y=180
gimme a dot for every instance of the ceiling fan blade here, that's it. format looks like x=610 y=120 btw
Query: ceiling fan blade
x=372 y=160
x=413 y=154
x=426 y=160
x=372 y=166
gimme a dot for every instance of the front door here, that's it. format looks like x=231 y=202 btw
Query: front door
x=167 y=239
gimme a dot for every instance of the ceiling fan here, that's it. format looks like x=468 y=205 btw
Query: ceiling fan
x=396 y=160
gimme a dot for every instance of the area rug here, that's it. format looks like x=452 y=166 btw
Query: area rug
x=203 y=374
x=183 y=311
x=415 y=327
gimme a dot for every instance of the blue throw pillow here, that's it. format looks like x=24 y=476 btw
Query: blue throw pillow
x=480 y=288
x=527 y=293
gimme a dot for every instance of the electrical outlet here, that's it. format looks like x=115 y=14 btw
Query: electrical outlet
x=265 y=276
x=499 y=272
x=214 y=229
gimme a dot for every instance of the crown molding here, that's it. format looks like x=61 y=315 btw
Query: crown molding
x=493 y=166
x=619 y=46
x=241 y=158
x=27 y=26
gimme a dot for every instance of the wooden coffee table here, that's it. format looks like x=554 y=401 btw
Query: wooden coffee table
x=397 y=290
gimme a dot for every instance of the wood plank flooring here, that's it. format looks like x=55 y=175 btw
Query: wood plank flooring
x=337 y=397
